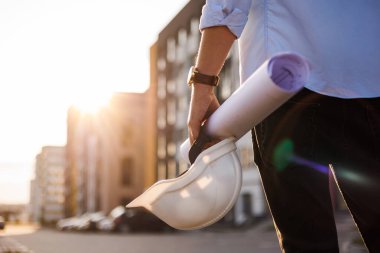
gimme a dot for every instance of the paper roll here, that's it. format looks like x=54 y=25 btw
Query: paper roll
x=277 y=80
x=273 y=83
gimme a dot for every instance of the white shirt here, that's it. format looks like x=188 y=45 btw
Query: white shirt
x=340 y=38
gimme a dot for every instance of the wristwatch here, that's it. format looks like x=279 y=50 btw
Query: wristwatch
x=196 y=77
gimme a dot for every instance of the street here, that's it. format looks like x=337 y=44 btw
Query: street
x=260 y=238
x=52 y=241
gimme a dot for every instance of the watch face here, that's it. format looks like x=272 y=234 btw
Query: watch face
x=190 y=76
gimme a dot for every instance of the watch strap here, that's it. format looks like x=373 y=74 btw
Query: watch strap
x=197 y=77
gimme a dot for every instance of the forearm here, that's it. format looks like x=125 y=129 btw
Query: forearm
x=215 y=44
x=221 y=23
x=213 y=50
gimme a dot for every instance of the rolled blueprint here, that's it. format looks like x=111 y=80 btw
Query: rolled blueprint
x=273 y=83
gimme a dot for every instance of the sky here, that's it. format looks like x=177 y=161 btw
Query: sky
x=54 y=53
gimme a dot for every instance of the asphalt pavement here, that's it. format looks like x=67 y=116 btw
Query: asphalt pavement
x=260 y=238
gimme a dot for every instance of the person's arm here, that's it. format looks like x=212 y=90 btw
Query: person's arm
x=222 y=22
x=214 y=47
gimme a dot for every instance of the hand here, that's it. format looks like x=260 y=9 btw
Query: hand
x=203 y=103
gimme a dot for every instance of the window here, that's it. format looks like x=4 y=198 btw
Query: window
x=161 y=89
x=127 y=167
x=172 y=170
x=246 y=157
x=182 y=37
x=247 y=204
x=194 y=25
x=181 y=46
x=161 y=173
x=161 y=147
x=171 y=86
x=171 y=48
x=161 y=118
x=126 y=135
x=193 y=38
x=171 y=116
x=161 y=64
x=171 y=149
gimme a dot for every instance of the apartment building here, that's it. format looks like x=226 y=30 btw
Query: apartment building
x=109 y=154
x=47 y=198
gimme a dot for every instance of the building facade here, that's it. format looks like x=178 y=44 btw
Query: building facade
x=109 y=154
x=48 y=188
x=35 y=201
x=171 y=57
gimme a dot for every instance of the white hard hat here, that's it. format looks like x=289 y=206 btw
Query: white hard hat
x=201 y=196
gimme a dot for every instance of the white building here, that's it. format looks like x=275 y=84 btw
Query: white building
x=35 y=201
x=47 y=196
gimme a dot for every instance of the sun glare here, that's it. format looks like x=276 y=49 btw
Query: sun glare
x=91 y=102
x=57 y=54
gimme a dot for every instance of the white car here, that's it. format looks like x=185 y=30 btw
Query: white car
x=107 y=225
x=84 y=222
x=67 y=224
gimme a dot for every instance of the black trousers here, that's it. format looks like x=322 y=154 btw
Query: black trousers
x=297 y=145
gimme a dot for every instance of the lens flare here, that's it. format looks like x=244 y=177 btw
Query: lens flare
x=310 y=164
x=354 y=177
x=284 y=154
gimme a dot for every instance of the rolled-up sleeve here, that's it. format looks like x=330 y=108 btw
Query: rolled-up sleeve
x=230 y=13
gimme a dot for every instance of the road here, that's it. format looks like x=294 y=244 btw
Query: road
x=260 y=238
x=221 y=240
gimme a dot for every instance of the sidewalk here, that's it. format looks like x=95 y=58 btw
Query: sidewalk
x=10 y=245
x=349 y=238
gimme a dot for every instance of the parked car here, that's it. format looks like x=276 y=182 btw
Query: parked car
x=139 y=219
x=115 y=221
x=106 y=225
x=88 y=221
x=66 y=224
x=121 y=219
x=84 y=222
x=2 y=223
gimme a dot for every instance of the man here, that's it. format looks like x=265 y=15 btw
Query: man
x=333 y=124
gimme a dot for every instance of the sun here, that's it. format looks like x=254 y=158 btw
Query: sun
x=91 y=102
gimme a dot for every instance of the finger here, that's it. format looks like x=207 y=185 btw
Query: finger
x=201 y=99
x=194 y=123
x=214 y=104
x=193 y=133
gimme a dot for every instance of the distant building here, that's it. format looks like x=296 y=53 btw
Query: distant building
x=172 y=55
x=35 y=204
x=47 y=189
x=109 y=154
x=81 y=162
